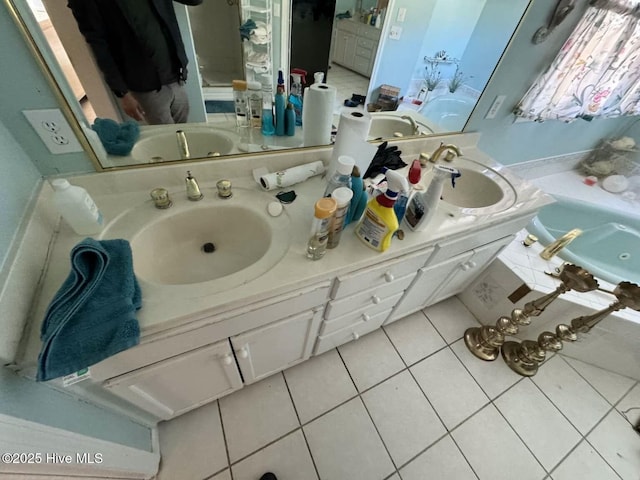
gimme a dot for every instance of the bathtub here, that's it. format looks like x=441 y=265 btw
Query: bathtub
x=449 y=111
x=609 y=246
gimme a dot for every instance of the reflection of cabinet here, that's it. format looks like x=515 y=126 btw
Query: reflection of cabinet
x=443 y=279
x=356 y=45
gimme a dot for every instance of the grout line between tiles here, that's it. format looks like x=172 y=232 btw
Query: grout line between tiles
x=218 y=473
x=603 y=459
x=224 y=438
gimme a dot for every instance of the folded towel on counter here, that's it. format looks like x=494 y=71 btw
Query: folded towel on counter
x=117 y=138
x=92 y=316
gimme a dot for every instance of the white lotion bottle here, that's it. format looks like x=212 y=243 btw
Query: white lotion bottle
x=422 y=208
x=77 y=207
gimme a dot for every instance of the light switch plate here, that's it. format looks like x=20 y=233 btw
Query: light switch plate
x=495 y=106
x=402 y=13
x=54 y=130
x=395 y=32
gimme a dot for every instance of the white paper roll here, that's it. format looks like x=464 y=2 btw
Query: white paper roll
x=351 y=140
x=291 y=176
x=317 y=114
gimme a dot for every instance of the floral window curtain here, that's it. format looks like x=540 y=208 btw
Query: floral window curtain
x=597 y=71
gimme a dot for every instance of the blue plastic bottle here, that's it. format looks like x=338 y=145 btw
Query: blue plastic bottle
x=290 y=120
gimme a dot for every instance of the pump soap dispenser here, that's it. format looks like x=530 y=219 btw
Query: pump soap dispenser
x=422 y=208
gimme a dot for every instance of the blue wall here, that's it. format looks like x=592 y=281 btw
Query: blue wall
x=38 y=403
x=510 y=142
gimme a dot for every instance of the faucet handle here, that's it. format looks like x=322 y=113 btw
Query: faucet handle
x=224 y=189
x=160 y=197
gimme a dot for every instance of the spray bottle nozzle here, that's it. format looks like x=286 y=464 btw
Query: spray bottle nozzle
x=453 y=178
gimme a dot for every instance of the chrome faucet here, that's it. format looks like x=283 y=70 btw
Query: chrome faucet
x=451 y=150
x=414 y=125
x=183 y=145
x=554 y=247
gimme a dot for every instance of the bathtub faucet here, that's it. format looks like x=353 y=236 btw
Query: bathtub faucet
x=554 y=247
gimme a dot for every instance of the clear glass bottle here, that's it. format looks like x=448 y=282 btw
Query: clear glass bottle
x=240 y=102
x=343 y=196
x=342 y=175
x=317 y=244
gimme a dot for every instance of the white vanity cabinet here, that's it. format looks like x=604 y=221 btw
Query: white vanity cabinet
x=356 y=45
x=223 y=353
x=174 y=386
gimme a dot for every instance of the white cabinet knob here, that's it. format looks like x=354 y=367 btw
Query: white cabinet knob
x=376 y=299
x=227 y=359
x=464 y=267
x=356 y=335
x=243 y=353
x=366 y=317
x=388 y=277
x=472 y=264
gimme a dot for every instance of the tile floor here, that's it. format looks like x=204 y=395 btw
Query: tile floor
x=347 y=83
x=409 y=402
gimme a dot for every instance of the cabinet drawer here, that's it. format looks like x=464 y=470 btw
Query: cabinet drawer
x=361 y=65
x=353 y=332
x=387 y=272
x=362 y=314
x=451 y=248
x=366 y=43
x=371 y=33
x=364 y=52
x=347 y=26
x=368 y=298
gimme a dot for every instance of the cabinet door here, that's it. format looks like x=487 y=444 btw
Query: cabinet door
x=182 y=383
x=266 y=350
x=428 y=281
x=466 y=271
x=345 y=48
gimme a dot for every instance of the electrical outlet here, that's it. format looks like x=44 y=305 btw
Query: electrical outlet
x=395 y=32
x=53 y=129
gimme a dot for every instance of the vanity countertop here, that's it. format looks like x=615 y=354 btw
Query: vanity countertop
x=176 y=307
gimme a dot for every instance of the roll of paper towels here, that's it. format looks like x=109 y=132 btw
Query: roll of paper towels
x=317 y=114
x=351 y=140
x=291 y=176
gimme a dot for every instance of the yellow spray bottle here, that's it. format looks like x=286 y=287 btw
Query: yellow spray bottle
x=379 y=222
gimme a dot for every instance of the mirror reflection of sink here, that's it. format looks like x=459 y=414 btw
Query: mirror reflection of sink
x=220 y=243
x=392 y=125
x=157 y=146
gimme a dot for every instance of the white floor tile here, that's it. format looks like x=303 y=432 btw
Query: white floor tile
x=584 y=463
x=494 y=450
x=257 y=415
x=449 y=387
x=287 y=458
x=226 y=475
x=451 y=318
x=345 y=445
x=414 y=337
x=442 y=461
x=494 y=377
x=619 y=445
x=192 y=445
x=371 y=359
x=538 y=423
x=319 y=384
x=629 y=407
x=610 y=385
x=394 y=477
x=579 y=402
x=403 y=416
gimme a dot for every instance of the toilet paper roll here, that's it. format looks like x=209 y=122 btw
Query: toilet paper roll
x=351 y=140
x=317 y=114
x=291 y=176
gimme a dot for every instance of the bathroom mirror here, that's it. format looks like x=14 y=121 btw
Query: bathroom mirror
x=437 y=54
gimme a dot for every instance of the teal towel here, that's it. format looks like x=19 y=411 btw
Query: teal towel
x=117 y=138
x=92 y=316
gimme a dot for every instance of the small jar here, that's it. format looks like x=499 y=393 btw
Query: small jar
x=317 y=244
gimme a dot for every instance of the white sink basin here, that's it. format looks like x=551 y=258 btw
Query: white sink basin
x=169 y=245
x=392 y=125
x=479 y=189
x=163 y=146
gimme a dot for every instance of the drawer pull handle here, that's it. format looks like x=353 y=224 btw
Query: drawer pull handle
x=243 y=353
x=388 y=277
x=366 y=317
x=472 y=264
x=227 y=359
x=376 y=299
x=356 y=335
x=464 y=267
